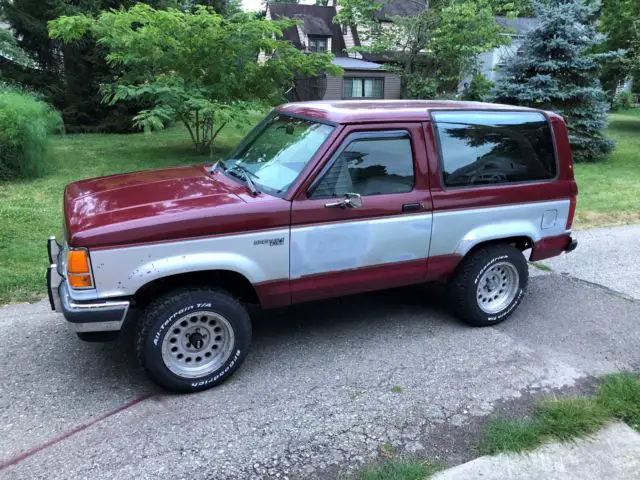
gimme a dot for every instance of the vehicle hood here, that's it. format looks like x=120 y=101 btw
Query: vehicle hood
x=146 y=206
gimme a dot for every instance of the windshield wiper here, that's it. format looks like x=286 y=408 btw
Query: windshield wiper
x=242 y=172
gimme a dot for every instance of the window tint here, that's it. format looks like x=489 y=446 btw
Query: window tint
x=482 y=148
x=370 y=166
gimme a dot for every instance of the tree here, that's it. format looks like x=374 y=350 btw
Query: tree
x=10 y=50
x=433 y=49
x=620 y=21
x=557 y=70
x=199 y=68
x=517 y=8
x=69 y=76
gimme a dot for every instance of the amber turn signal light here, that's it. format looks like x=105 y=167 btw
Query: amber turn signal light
x=78 y=269
x=80 y=281
x=78 y=261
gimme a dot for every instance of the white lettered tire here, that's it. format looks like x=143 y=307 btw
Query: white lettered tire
x=193 y=339
x=489 y=285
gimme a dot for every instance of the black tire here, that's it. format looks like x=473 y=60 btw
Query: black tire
x=162 y=317
x=463 y=286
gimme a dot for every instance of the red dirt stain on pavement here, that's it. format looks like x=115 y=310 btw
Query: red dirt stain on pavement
x=19 y=458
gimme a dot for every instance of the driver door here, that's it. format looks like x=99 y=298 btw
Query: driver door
x=378 y=239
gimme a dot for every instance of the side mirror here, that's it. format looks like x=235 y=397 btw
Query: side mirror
x=352 y=200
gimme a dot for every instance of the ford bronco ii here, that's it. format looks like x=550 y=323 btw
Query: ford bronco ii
x=320 y=200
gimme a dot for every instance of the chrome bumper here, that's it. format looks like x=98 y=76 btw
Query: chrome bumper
x=94 y=316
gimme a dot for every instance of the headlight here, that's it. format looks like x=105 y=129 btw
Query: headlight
x=79 y=269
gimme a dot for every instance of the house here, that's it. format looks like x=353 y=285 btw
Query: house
x=317 y=33
x=491 y=62
x=368 y=75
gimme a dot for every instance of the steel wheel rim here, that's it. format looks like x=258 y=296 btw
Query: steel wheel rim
x=197 y=344
x=498 y=287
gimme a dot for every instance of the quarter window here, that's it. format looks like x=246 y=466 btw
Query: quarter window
x=370 y=166
x=487 y=148
x=357 y=87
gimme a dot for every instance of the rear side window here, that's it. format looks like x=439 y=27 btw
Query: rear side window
x=374 y=165
x=488 y=148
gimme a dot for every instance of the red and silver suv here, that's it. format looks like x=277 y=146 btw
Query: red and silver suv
x=320 y=200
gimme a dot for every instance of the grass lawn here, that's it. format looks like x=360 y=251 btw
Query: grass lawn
x=553 y=420
x=618 y=398
x=30 y=211
x=610 y=191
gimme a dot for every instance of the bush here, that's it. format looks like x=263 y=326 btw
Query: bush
x=478 y=89
x=623 y=100
x=25 y=126
x=420 y=87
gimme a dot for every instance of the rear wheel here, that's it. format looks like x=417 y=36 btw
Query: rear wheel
x=193 y=339
x=489 y=285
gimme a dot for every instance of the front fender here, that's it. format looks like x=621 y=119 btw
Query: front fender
x=121 y=272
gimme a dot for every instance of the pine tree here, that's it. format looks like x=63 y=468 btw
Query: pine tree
x=556 y=69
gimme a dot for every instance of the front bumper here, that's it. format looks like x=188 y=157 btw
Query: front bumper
x=93 y=316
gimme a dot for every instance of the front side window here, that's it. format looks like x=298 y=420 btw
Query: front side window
x=317 y=45
x=278 y=150
x=488 y=148
x=370 y=166
x=356 y=87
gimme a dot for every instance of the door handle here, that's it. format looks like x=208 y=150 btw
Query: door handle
x=411 y=207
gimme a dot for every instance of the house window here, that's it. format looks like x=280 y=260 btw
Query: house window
x=318 y=44
x=355 y=87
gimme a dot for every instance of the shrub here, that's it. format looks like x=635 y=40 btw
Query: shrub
x=478 y=89
x=420 y=87
x=622 y=101
x=25 y=126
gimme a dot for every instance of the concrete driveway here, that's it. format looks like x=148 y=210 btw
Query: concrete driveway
x=316 y=392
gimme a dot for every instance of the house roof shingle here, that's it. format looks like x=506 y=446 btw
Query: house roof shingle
x=405 y=8
x=520 y=25
x=315 y=18
x=314 y=25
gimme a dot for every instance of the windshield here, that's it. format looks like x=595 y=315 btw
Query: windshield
x=279 y=151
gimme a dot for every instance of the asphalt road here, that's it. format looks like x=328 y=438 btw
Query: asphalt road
x=606 y=256
x=316 y=391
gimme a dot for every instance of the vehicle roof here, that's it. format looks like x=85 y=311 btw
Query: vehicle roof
x=363 y=111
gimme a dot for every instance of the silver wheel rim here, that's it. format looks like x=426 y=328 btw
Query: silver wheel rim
x=498 y=287
x=197 y=344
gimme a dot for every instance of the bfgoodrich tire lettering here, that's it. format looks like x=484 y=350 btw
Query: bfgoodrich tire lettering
x=489 y=285
x=223 y=330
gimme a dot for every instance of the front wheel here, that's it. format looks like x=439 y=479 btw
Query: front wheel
x=193 y=339
x=489 y=285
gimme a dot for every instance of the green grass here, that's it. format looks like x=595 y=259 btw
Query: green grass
x=30 y=211
x=618 y=398
x=396 y=389
x=399 y=469
x=542 y=266
x=609 y=190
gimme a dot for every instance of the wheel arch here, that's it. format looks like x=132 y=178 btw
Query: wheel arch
x=230 y=281
x=521 y=242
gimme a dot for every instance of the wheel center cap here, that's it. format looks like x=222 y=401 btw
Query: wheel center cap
x=196 y=339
